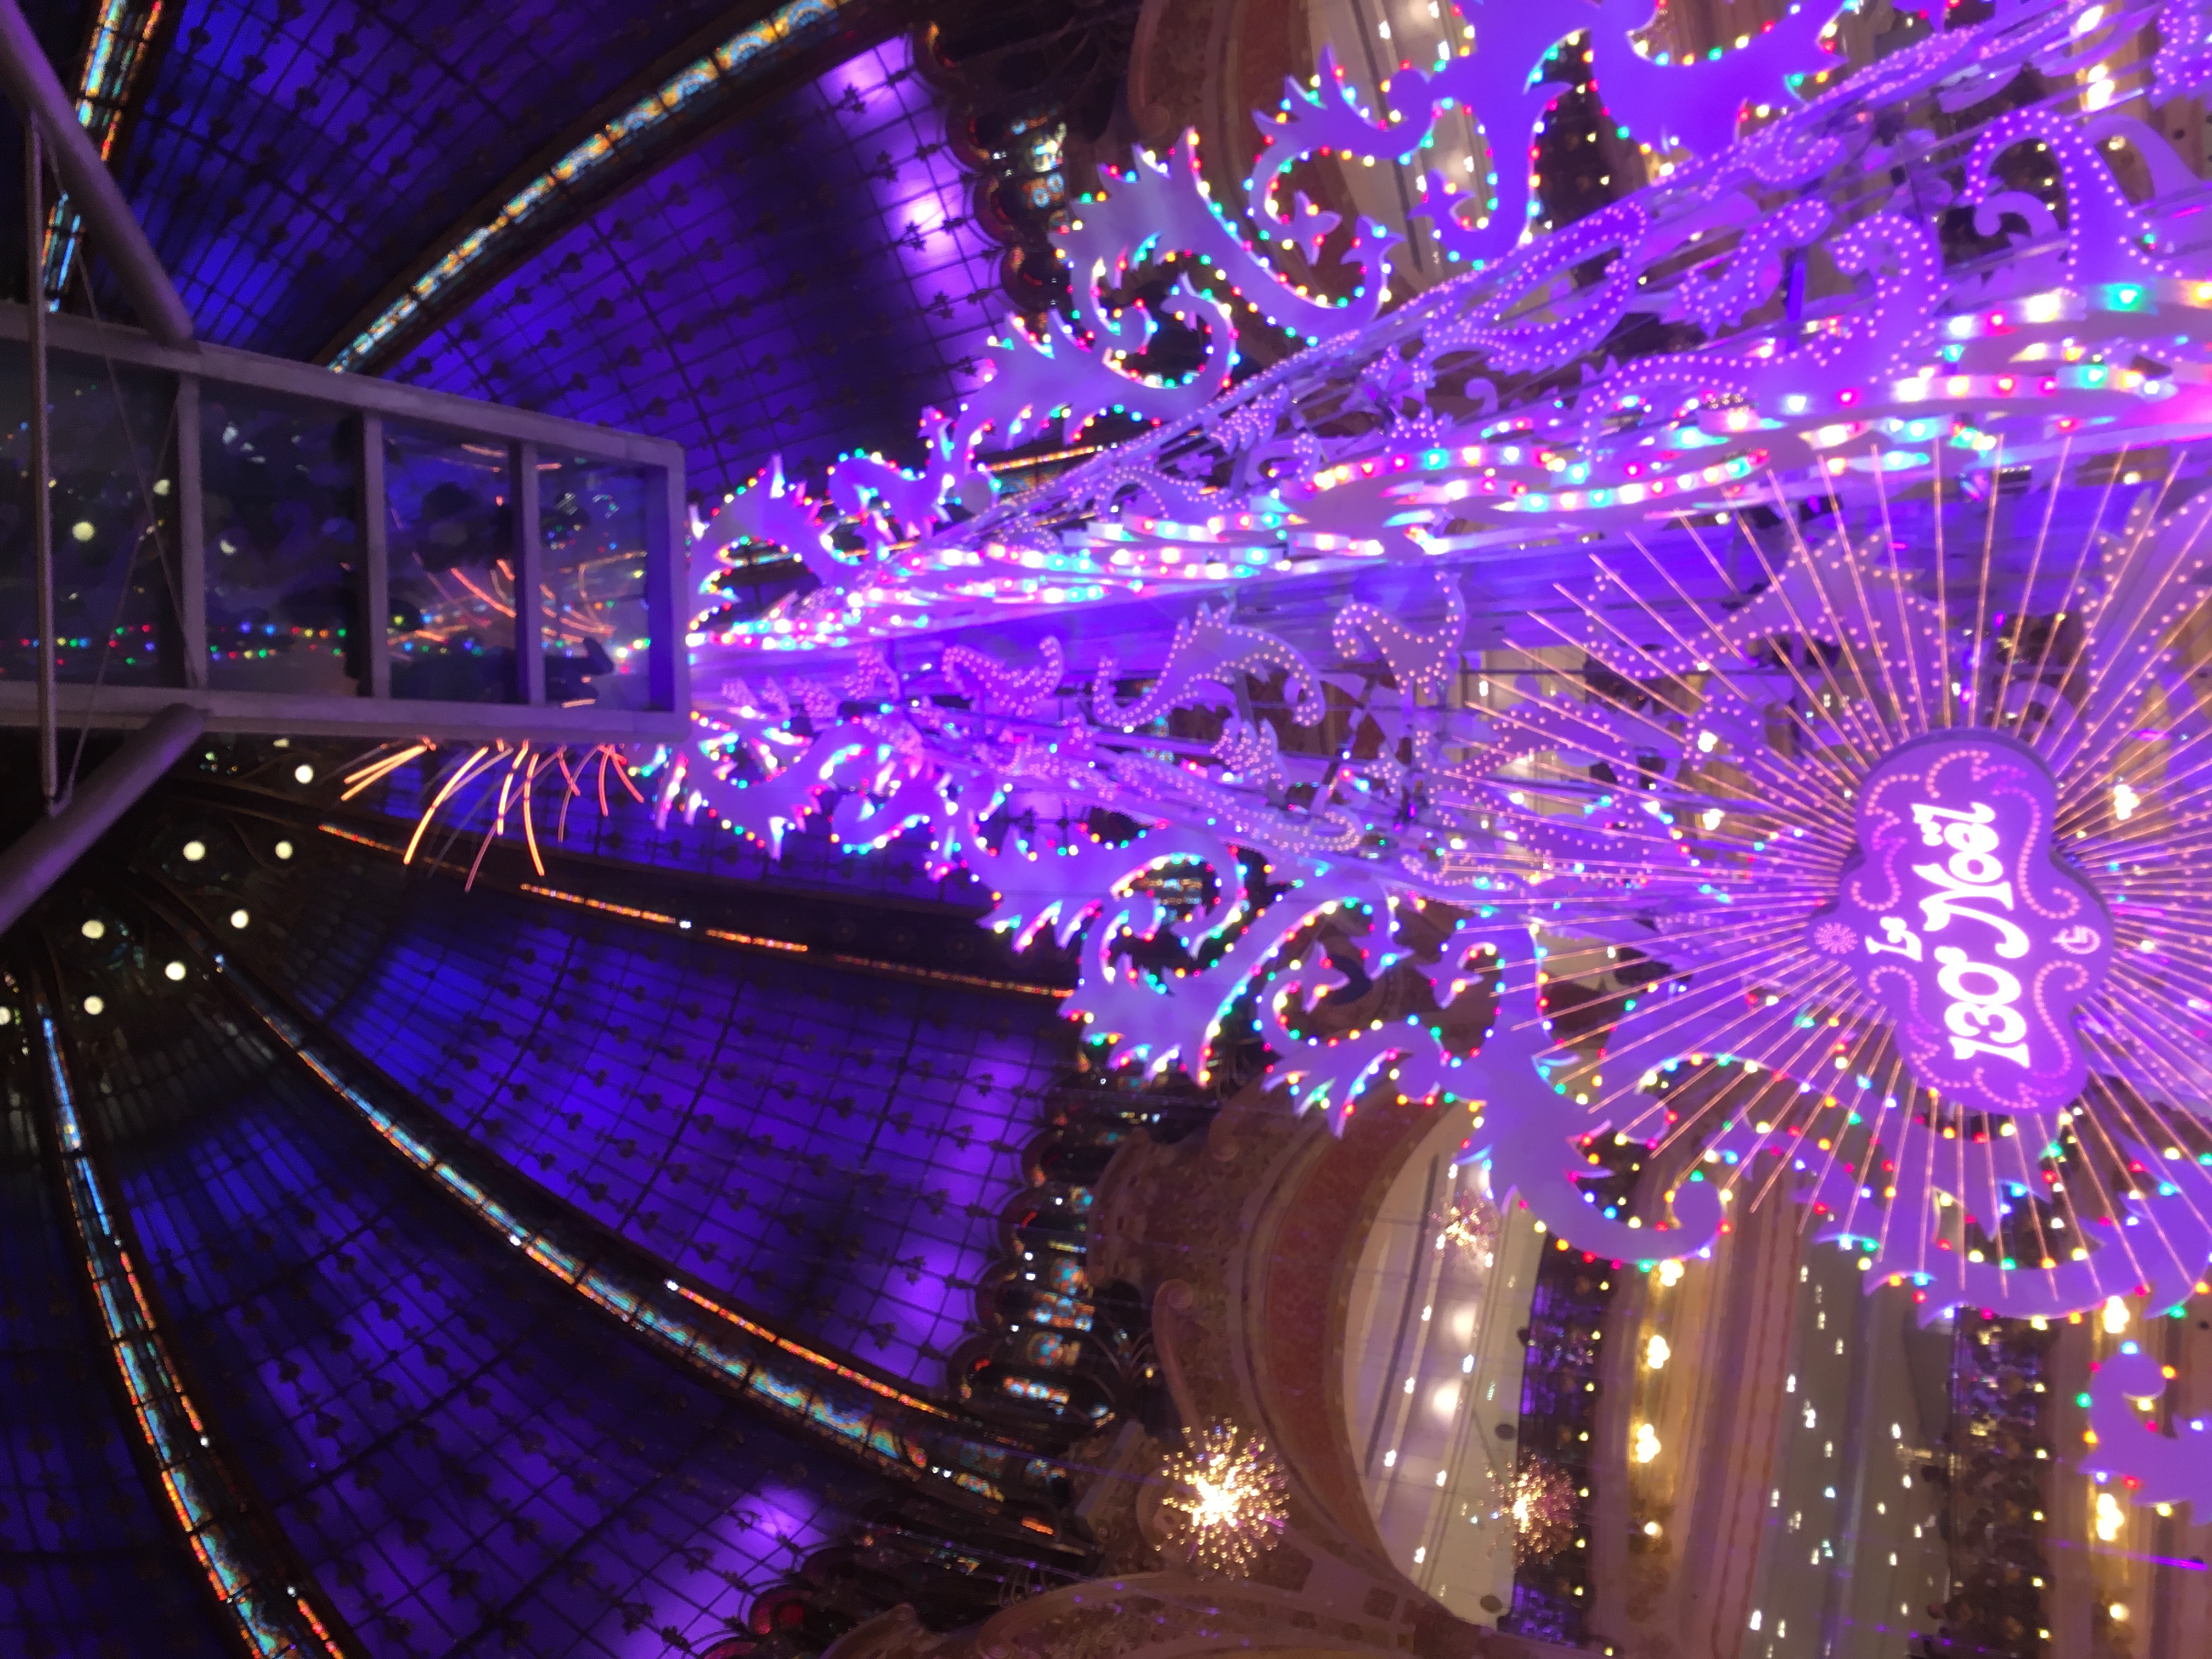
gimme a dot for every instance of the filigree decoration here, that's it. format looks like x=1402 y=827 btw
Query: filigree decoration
x=1718 y=294
x=1204 y=649
x=1759 y=397
x=1249 y=753
x=1424 y=665
x=1729 y=499
x=2184 y=62
x=1069 y=372
x=999 y=689
x=2154 y=1462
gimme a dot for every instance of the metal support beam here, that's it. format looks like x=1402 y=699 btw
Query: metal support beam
x=376 y=554
x=529 y=574
x=41 y=468
x=45 y=853
x=668 y=536
x=191 y=536
x=209 y=377
x=31 y=85
x=225 y=372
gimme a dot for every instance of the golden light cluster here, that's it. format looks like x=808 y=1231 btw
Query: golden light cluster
x=1472 y=1227
x=1543 y=1509
x=1228 y=1502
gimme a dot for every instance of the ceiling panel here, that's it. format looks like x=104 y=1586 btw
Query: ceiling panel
x=803 y=283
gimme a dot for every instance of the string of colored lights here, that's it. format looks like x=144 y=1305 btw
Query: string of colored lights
x=727 y=935
x=121 y=36
x=936 y=1452
x=746 y=55
x=1830 y=378
x=277 y=1624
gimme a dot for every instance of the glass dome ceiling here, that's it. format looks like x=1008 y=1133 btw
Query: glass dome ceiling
x=1294 y=1034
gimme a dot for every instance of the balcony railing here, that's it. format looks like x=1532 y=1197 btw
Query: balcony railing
x=291 y=550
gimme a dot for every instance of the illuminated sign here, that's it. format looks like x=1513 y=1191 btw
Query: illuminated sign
x=1956 y=916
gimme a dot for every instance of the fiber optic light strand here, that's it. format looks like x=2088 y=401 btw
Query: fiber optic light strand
x=370 y=772
x=801 y=1351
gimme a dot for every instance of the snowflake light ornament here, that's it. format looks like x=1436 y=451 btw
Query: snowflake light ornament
x=1597 y=598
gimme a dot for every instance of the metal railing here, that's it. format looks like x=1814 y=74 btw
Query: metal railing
x=295 y=550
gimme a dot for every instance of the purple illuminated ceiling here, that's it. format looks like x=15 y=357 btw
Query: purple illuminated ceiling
x=458 y=1453
x=830 y=1149
x=801 y=283
x=76 y=1516
x=293 y=158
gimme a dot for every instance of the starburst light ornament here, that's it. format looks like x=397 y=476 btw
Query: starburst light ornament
x=1228 y=1502
x=1911 y=810
x=1542 y=1509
